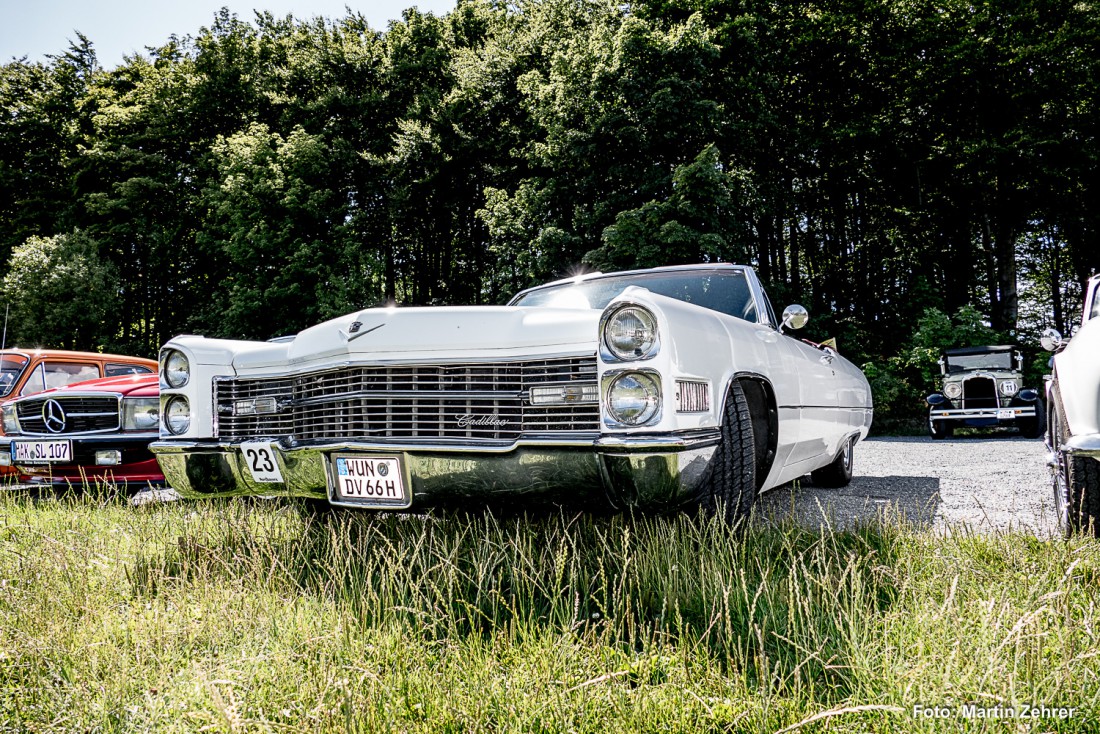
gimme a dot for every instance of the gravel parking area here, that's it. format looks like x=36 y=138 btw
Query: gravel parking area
x=981 y=483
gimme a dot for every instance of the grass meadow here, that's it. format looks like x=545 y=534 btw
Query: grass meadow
x=265 y=616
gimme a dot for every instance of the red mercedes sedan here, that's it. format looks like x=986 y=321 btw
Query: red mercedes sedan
x=88 y=432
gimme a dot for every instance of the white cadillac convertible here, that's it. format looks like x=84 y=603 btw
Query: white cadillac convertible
x=663 y=388
x=1073 y=425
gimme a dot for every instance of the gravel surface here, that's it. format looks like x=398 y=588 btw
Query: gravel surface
x=982 y=483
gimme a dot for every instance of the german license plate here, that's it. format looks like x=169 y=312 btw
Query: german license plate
x=369 y=481
x=41 y=452
x=1003 y=415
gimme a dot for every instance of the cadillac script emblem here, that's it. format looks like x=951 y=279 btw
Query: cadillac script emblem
x=481 y=421
x=53 y=415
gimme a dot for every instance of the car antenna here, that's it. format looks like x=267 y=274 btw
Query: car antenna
x=4 y=340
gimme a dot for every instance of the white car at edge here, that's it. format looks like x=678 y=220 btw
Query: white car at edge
x=659 y=388
x=1073 y=422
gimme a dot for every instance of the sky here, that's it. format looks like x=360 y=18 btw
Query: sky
x=34 y=28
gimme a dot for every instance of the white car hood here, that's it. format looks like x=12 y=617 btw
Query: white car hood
x=451 y=332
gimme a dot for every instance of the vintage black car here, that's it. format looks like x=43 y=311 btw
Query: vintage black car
x=983 y=388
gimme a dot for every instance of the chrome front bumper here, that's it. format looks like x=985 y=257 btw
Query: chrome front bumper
x=625 y=471
x=958 y=414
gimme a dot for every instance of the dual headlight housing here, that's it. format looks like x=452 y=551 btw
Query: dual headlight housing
x=628 y=333
x=175 y=373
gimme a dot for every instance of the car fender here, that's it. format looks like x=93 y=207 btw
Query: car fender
x=1077 y=374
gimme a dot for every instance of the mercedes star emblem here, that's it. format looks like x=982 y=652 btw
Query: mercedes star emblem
x=53 y=415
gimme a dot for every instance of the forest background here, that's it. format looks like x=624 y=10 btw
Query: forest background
x=918 y=174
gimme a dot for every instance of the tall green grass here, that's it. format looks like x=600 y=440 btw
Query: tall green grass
x=263 y=616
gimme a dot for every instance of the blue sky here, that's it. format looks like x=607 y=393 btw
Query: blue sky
x=34 y=28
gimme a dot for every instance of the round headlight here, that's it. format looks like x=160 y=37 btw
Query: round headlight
x=631 y=333
x=177 y=370
x=1008 y=388
x=953 y=389
x=177 y=415
x=634 y=398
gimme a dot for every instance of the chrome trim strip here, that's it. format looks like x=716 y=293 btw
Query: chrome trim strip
x=631 y=443
x=372 y=360
x=386 y=394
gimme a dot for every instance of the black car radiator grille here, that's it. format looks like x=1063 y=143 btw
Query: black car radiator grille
x=449 y=401
x=980 y=392
x=70 y=414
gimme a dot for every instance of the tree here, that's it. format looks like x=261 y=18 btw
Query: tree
x=696 y=223
x=61 y=294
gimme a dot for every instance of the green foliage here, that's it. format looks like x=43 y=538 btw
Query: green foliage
x=694 y=224
x=61 y=293
x=871 y=160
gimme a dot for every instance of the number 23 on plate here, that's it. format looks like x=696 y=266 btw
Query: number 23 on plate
x=260 y=458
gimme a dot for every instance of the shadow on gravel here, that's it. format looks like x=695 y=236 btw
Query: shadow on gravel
x=914 y=500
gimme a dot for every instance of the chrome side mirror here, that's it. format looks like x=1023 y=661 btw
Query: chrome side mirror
x=1051 y=340
x=795 y=317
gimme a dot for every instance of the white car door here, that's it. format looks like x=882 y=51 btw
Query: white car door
x=818 y=401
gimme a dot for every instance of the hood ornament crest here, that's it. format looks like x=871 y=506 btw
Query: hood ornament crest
x=355 y=330
x=53 y=415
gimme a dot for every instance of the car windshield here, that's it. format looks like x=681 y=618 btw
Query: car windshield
x=726 y=291
x=11 y=367
x=988 y=361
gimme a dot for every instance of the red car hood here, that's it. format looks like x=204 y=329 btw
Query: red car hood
x=134 y=386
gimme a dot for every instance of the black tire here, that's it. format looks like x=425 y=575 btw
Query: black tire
x=1037 y=426
x=940 y=430
x=839 y=472
x=1076 y=484
x=729 y=486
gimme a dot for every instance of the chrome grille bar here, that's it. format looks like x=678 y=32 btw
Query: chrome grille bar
x=478 y=401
